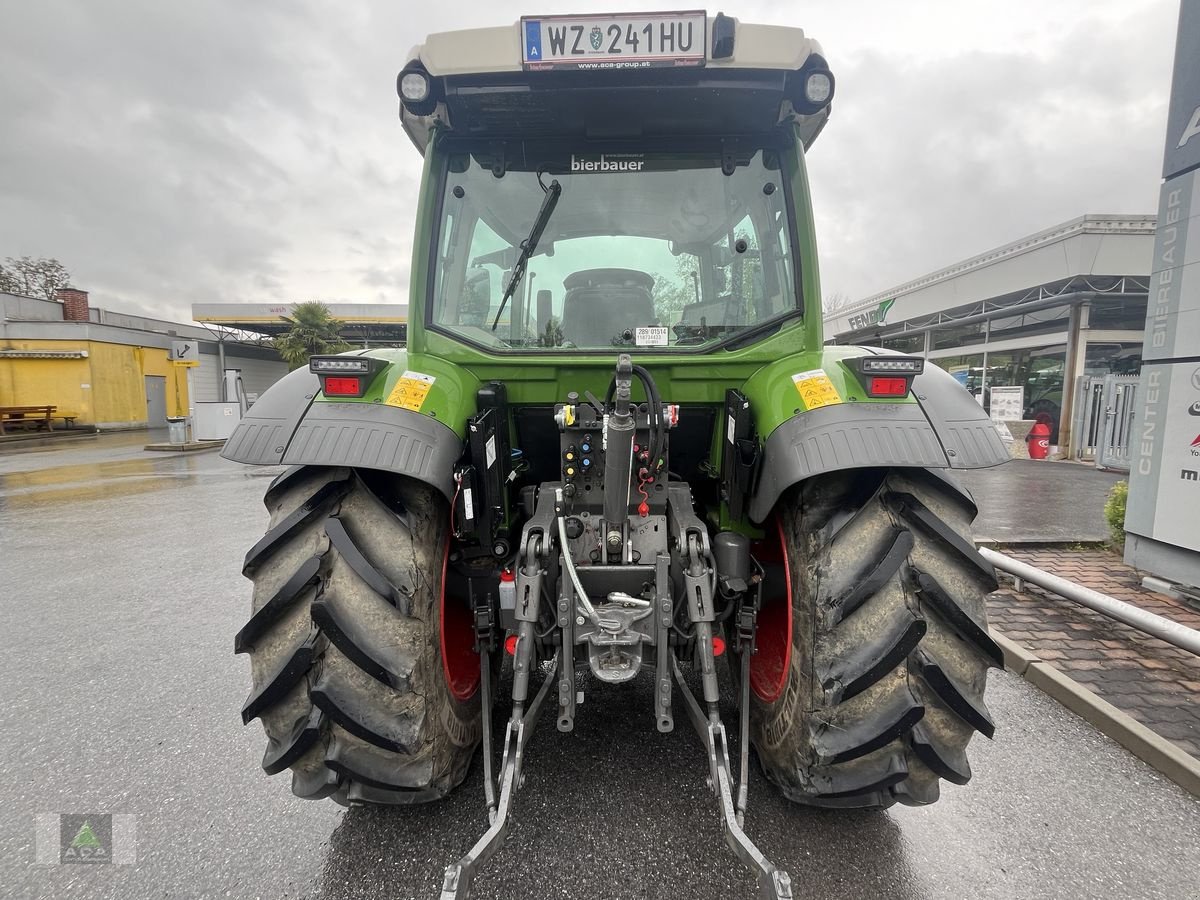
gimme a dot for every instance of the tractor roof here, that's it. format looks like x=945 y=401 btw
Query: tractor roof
x=484 y=88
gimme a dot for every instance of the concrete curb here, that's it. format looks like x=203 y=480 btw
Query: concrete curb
x=1016 y=658
x=190 y=447
x=1154 y=750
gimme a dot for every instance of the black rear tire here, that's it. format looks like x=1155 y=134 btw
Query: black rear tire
x=881 y=687
x=345 y=640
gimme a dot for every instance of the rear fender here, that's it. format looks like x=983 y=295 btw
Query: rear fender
x=939 y=426
x=422 y=438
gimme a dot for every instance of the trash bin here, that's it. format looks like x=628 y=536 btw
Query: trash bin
x=177 y=429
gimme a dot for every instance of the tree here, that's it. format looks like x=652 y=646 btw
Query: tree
x=30 y=277
x=835 y=301
x=312 y=330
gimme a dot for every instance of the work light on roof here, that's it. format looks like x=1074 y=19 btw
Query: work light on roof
x=414 y=87
x=417 y=89
x=818 y=88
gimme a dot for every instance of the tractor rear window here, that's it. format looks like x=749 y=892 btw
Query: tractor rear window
x=637 y=250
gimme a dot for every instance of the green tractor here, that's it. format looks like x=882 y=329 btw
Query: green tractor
x=616 y=446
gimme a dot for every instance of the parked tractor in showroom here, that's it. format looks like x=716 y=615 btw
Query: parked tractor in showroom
x=615 y=444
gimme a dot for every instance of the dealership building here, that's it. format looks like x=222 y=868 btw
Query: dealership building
x=1038 y=314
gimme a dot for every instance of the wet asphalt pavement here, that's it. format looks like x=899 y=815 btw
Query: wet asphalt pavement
x=120 y=593
x=1041 y=502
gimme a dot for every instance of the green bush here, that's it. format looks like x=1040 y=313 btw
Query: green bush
x=1114 y=510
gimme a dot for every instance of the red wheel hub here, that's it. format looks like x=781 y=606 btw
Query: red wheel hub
x=769 y=665
x=460 y=662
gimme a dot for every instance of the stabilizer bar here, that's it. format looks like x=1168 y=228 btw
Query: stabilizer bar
x=773 y=883
x=457 y=882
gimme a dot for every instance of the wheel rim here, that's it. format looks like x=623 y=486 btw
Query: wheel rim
x=773 y=640
x=460 y=662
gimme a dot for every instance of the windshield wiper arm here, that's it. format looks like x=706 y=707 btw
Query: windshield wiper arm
x=529 y=245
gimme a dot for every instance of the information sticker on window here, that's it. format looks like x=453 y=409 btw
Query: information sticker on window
x=411 y=390
x=650 y=336
x=815 y=388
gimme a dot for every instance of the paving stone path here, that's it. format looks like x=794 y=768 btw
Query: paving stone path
x=1156 y=683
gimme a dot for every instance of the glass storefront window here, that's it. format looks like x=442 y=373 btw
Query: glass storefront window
x=1123 y=314
x=1040 y=371
x=1113 y=358
x=906 y=343
x=950 y=335
x=967 y=370
x=1040 y=321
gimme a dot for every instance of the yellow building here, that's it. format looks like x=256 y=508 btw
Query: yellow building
x=113 y=371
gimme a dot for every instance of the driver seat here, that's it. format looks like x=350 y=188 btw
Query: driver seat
x=601 y=303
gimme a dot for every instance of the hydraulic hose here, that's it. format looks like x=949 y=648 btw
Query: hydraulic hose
x=567 y=561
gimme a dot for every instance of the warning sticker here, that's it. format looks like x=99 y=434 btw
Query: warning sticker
x=815 y=388
x=650 y=336
x=410 y=391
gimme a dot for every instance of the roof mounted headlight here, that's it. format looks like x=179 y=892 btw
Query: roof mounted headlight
x=818 y=88
x=416 y=89
x=811 y=87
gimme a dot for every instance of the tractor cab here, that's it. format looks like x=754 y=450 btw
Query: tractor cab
x=615 y=181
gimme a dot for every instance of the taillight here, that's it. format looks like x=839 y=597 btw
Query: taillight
x=886 y=374
x=346 y=375
x=887 y=387
x=342 y=386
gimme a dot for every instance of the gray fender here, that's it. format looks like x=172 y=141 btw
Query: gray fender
x=286 y=427
x=945 y=429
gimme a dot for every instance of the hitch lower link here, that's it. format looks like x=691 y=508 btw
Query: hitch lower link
x=773 y=883
x=456 y=884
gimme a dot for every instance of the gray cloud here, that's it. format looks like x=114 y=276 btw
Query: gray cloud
x=172 y=153
x=926 y=162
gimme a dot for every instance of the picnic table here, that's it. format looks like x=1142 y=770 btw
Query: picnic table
x=36 y=417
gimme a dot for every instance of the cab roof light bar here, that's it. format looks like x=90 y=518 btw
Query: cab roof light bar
x=346 y=376
x=886 y=376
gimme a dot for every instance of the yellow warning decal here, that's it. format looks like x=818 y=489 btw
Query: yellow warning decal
x=816 y=390
x=411 y=390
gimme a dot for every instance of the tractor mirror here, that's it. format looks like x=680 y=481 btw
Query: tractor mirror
x=477 y=296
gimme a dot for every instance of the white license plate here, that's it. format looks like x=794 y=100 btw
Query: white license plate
x=625 y=41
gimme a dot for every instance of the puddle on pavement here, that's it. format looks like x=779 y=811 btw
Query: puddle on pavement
x=106 y=480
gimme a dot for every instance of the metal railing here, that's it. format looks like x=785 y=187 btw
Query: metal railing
x=1146 y=622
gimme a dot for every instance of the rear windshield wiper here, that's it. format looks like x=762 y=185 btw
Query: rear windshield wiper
x=529 y=245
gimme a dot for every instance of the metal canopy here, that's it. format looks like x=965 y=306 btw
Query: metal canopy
x=383 y=323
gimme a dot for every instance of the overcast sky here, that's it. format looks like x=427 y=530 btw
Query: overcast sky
x=175 y=152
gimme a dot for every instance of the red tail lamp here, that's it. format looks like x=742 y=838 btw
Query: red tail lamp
x=343 y=385
x=887 y=387
x=346 y=376
x=887 y=374
x=718 y=645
